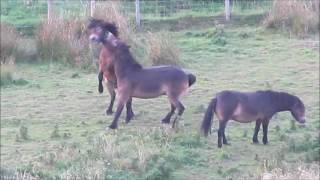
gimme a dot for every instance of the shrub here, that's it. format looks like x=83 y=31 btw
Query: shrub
x=9 y=37
x=160 y=49
x=297 y=17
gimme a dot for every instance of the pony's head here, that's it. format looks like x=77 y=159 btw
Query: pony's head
x=298 y=110
x=99 y=30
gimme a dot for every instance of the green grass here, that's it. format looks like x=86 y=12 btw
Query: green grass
x=64 y=115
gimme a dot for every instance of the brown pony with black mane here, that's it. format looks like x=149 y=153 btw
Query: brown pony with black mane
x=246 y=107
x=135 y=81
x=106 y=69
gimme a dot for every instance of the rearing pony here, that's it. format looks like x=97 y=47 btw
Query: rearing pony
x=135 y=81
x=246 y=107
x=106 y=69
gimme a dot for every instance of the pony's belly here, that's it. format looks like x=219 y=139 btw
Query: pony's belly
x=147 y=91
x=147 y=95
x=241 y=115
x=244 y=118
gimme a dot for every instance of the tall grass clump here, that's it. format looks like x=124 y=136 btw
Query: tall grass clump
x=9 y=37
x=113 y=12
x=6 y=75
x=299 y=18
x=64 y=40
x=161 y=50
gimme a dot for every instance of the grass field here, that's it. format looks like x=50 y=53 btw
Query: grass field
x=53 y=126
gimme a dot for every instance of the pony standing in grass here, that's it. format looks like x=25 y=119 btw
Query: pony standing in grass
x=257 y=106
x=106 y=69
x=135 y=81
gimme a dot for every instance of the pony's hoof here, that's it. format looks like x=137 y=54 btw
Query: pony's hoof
x=109 y=112
x=255 y=142
x=266 y=143
x=129 y=118
x=165 y=121
x=112 y=126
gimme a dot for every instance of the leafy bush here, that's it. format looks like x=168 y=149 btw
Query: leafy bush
x=161 y=50
x=297 y=17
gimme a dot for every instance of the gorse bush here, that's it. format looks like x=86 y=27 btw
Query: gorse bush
x=296 y=17
x=64 y=40
x=9 y=37
x=160 y=49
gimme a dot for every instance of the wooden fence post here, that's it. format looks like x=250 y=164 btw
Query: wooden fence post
x=227 y=9
x=92 y=6
x=50 y=12
x=137 y=13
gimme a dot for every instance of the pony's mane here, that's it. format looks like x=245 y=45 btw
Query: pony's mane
x=106 y=26
x=125 y=56
x=284 y=97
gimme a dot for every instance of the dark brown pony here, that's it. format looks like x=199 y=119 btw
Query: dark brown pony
x=106 y=69
x=257 y=106
x=135 y=81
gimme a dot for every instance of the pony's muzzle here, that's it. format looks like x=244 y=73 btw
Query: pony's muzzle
x=302 y=120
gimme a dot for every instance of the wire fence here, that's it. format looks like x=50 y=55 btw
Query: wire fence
x=148 y=8
x=26 y=14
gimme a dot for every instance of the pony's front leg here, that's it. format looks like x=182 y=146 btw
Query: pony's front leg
x=110 y=86
x=100 y=78
x=122 y=101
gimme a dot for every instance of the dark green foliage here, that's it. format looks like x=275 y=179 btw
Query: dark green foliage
x=23 y=134
x=55 y=133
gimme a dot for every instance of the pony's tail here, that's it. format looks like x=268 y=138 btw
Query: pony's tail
x=100 y=78
x=191 y=79
x=207 y=120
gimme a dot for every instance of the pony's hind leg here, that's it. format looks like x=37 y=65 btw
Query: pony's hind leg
x=110 y=86
x=221 y=134
x=265 y=125
x=130 y=113
x=181 y=109
x=166 y=120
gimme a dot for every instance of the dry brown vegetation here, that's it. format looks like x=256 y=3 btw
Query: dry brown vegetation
x=301 y=172
x=64 y=40
x=296 y=17
x=161 y=50
x=9 y=37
